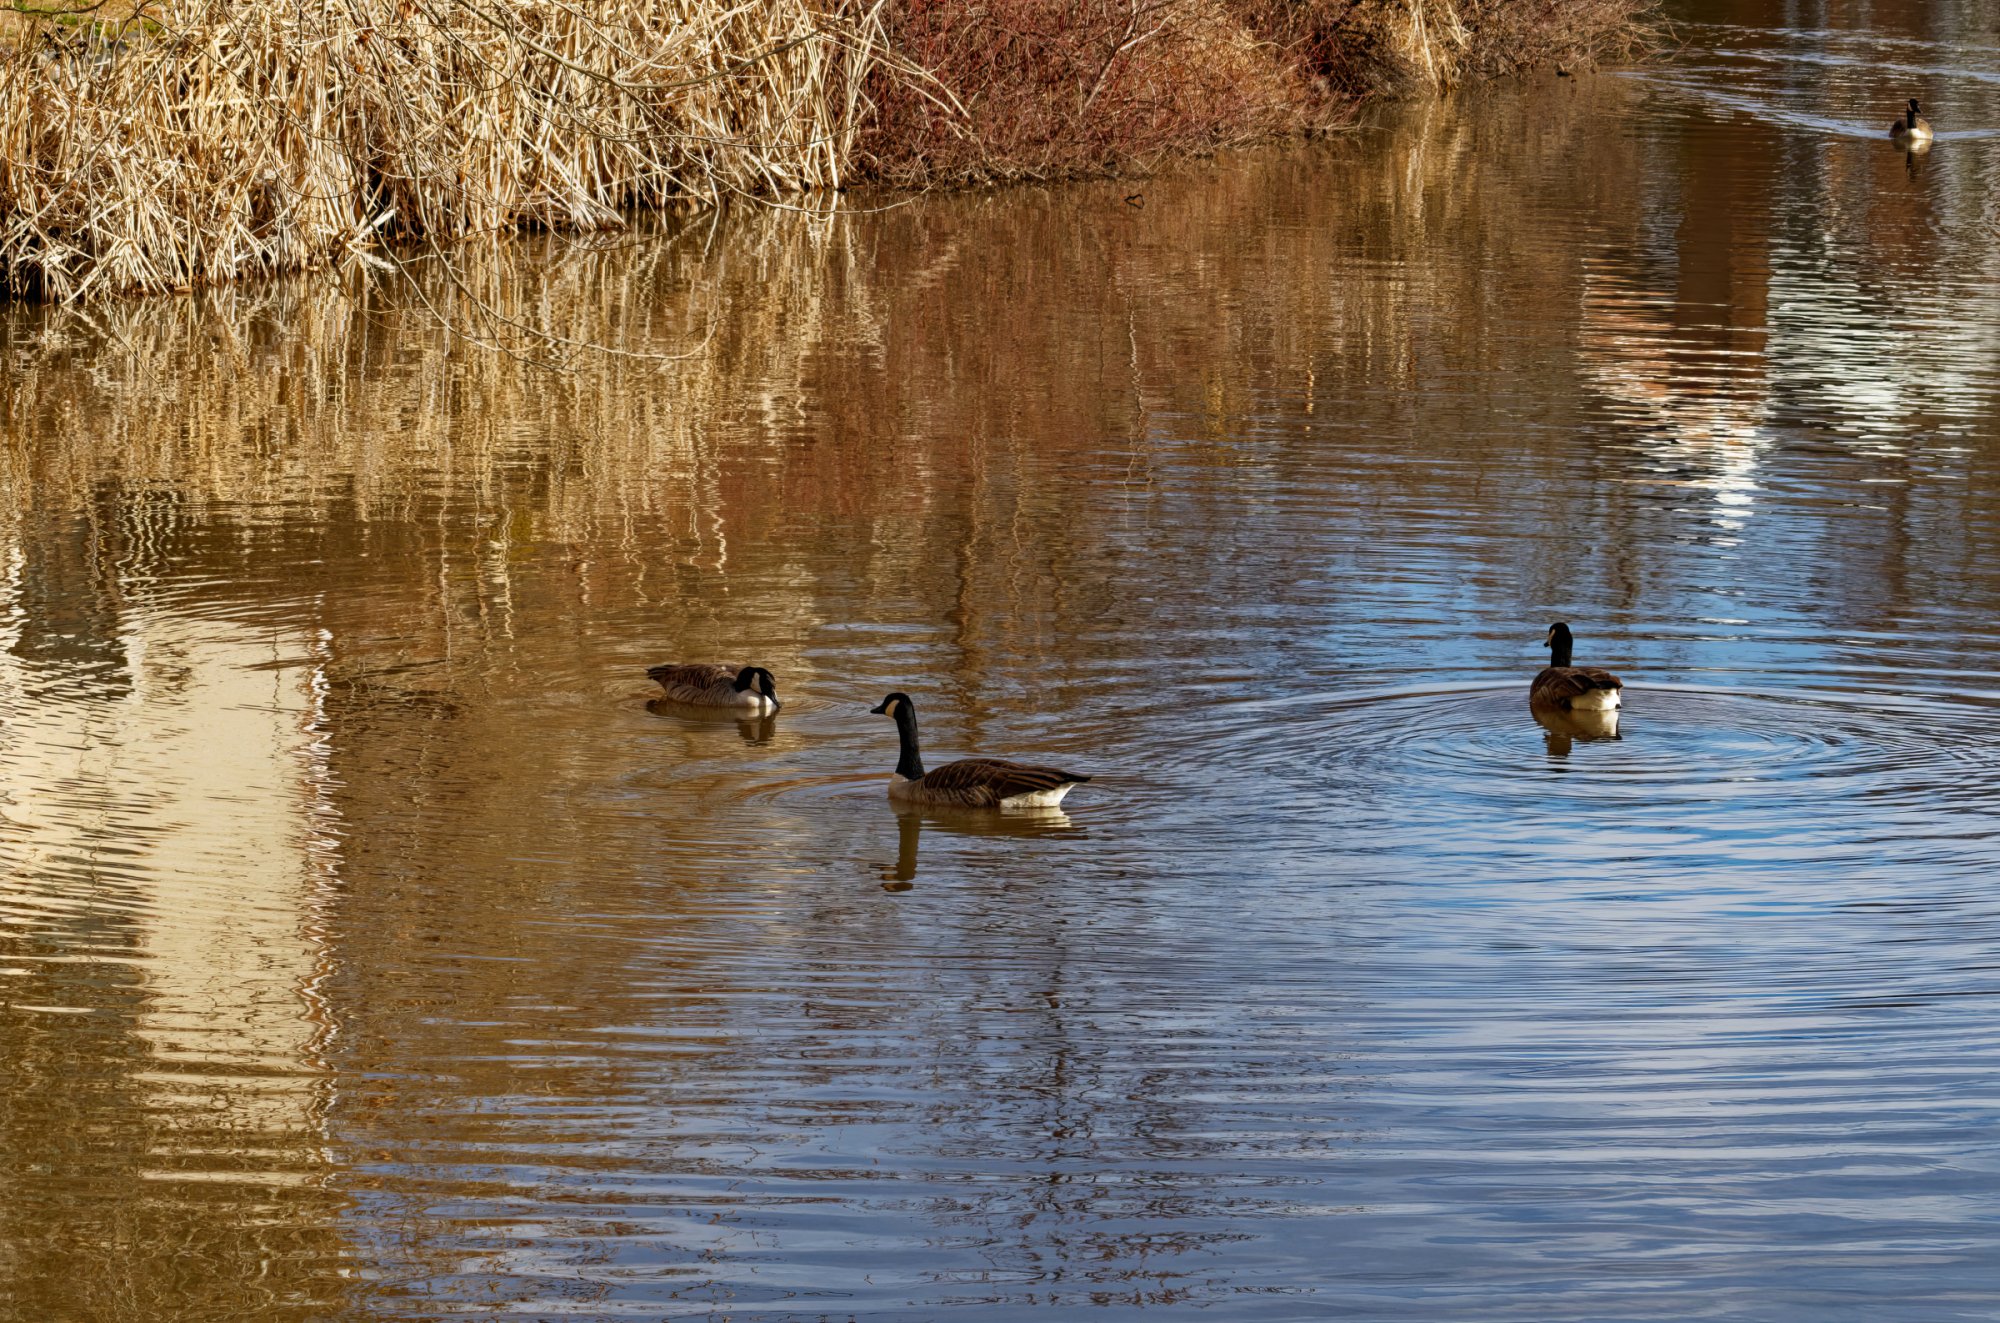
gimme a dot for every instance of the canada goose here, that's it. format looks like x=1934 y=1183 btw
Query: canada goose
x=1572 y=688
x=1912 y=127
x=745 y=689
x=970 y=782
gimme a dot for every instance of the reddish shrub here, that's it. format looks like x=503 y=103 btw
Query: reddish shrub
x=1057 y=87
x=1041 y=88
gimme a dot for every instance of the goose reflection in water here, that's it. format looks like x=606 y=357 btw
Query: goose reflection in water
x=912 y=819
x=1562 y=729
x=755 y=730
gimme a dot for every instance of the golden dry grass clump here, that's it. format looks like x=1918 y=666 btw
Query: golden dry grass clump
x=197 y=141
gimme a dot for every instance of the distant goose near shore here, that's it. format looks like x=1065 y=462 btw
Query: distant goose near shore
x=1912 y=128
x=1572 y=688
x=748 y=690
x=970 y=782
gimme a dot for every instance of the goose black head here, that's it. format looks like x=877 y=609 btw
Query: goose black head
x=758 y=680
x=895 y=705
x=1559 y=643
x=1913 y=110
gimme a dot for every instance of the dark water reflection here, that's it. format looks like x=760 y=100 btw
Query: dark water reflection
x=371 y=945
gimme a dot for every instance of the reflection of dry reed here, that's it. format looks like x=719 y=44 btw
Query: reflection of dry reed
x=294 y=394
x=908 y=370
x=213 y=141
x=306 y=394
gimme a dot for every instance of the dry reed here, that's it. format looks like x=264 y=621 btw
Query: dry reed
x=200 y=142
x=196 y=142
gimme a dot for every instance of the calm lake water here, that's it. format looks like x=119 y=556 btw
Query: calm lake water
x=370 y=948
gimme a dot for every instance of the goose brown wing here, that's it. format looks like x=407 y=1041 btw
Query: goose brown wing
x=697 y=676
x=985 y=781
x=1600 y=678
x=1557 y=683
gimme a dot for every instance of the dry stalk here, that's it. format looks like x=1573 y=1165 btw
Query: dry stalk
x=170 y=144
x=195 y=142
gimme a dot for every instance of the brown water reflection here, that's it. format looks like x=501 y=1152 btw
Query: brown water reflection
x=372 y=944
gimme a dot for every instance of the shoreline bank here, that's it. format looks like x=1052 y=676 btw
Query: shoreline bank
x=197 y=144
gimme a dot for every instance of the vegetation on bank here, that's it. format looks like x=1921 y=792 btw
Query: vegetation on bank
x=181 y=142
x=1048 y=88
x=207 y=140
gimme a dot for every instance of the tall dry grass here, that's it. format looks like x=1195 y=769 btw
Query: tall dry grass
x=1350 y=48
x=198 y=141
x=185 y=143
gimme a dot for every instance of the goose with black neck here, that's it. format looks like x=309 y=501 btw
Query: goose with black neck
x=969 y=782
x=1568 y=688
